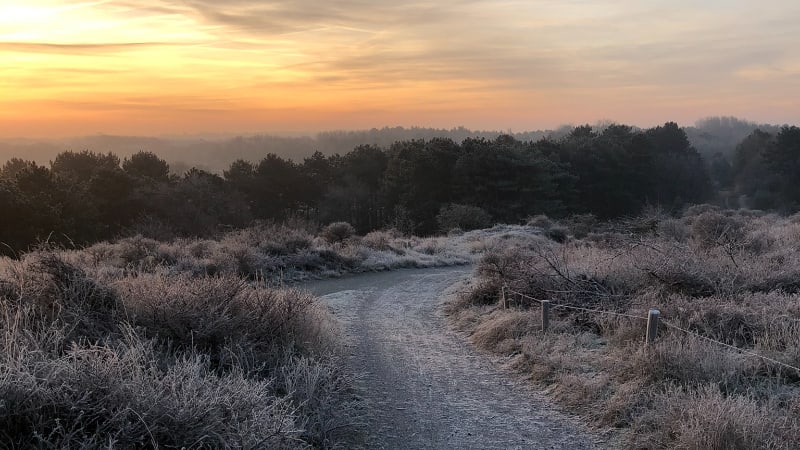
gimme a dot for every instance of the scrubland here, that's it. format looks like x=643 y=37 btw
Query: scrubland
x=185 y=344
x=727 y=276
x=273 y=254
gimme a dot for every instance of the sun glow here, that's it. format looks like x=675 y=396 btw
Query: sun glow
x=153 y=65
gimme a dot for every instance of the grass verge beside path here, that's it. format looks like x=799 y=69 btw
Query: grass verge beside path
x=731 y=276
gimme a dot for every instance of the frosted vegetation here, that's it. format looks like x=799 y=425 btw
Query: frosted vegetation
x=187 y=343
x=273 y=254
x=731 y=276
x=95 y=358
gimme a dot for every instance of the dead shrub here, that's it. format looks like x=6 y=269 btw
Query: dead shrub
x=714 y=229
x=503 y=263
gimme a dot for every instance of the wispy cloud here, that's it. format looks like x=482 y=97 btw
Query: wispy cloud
x=524 y=44
x=48 y=47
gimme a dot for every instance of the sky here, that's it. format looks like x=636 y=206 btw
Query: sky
x=154 y=67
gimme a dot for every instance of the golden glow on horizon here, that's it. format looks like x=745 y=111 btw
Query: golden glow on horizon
x=160 y=66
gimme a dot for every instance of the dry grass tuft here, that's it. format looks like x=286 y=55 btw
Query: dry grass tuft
x=705 y=418
x=502 y=330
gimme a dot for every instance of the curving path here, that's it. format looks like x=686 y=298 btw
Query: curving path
x=423 y=386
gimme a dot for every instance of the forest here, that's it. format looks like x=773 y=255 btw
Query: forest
x=416 y=186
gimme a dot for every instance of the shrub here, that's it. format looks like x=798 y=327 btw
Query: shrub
x=714 y=229
x=463 y=217
x=378 y=240
x=337 y=232
x=580 y=225
x=557 y=234
x=674 y=230
x=65 y=296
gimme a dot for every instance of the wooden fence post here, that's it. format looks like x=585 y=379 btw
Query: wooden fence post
x=652 y=325
x=545 y=314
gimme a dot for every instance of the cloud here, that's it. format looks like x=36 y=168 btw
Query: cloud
x=269 y=18
x=511 y=45
x=47 y=47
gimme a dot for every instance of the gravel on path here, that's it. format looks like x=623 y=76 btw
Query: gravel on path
x=423 y=385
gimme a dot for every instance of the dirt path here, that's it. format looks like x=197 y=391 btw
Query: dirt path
x=424 y=387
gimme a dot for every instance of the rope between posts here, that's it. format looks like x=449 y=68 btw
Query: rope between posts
x=522 y=295
x=667 y=324
x=577 y=308
x=732 y=347
x=601 y=311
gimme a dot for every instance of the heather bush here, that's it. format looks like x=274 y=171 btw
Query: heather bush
x=337 y=232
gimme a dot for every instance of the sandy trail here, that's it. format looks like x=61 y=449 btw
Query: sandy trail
x=424 y=387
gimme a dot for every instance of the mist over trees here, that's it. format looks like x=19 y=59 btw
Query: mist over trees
x=420 y=186
x=214 y=153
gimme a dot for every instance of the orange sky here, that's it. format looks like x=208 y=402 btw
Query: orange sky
x=168 y=67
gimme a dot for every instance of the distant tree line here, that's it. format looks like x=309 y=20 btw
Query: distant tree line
x=410 y=185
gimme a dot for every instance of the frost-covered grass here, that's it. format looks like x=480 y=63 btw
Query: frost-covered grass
x=274 y=254
x=184 y=344
x=731 y=276
x=92 y=356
